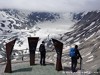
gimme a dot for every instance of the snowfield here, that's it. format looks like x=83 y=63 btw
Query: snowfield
x=44 y=30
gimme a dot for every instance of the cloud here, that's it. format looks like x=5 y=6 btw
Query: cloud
x=52 y=5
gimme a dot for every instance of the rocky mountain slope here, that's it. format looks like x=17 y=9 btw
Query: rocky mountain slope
x=21 y=19
x=86 y=34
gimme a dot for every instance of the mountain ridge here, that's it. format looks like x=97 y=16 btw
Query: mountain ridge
x=86 y=34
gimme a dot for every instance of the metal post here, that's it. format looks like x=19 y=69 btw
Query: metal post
x=22 y=56
x=58 y=47
x=32 y=48
x=9 y=48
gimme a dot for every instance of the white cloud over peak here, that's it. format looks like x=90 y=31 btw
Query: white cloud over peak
x=52 y=5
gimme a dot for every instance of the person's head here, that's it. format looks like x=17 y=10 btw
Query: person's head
x=42 y=42
x=76 y=46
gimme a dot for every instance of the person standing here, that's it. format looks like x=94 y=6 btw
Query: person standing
x=75 y=55
x=42 y=53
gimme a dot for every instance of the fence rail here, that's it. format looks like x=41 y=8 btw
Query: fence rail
x=21 y=55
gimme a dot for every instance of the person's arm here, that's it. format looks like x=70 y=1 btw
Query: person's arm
x=40 y=48
x=44 y=47
x=79 y=53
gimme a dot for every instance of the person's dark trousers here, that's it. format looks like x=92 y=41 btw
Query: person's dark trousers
x=73 y=64
x=42 y=60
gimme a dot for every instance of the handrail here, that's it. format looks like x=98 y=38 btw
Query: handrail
x=21 y=55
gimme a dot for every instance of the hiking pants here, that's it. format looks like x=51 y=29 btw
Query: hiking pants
x=73 y=63
x=42 y=58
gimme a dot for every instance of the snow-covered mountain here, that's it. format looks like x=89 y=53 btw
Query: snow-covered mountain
x=21 y=19
x=71 y=28
x=86 y=34
x=21 y=24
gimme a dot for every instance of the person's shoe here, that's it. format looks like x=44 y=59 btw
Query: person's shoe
x=44 y=64
x=41 y=64
x=74 y=71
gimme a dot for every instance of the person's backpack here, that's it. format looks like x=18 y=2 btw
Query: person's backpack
x=72 y=52
x=42 y=48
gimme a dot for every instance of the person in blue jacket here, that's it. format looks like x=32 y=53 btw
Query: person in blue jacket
x=74 y=57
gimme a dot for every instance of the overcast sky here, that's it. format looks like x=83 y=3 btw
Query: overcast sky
x=52 y=5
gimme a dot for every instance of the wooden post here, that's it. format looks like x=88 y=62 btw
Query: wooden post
x=32 y=48
x=9 y=48
x=58 y=47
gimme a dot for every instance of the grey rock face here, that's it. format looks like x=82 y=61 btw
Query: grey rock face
x=87 y=32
